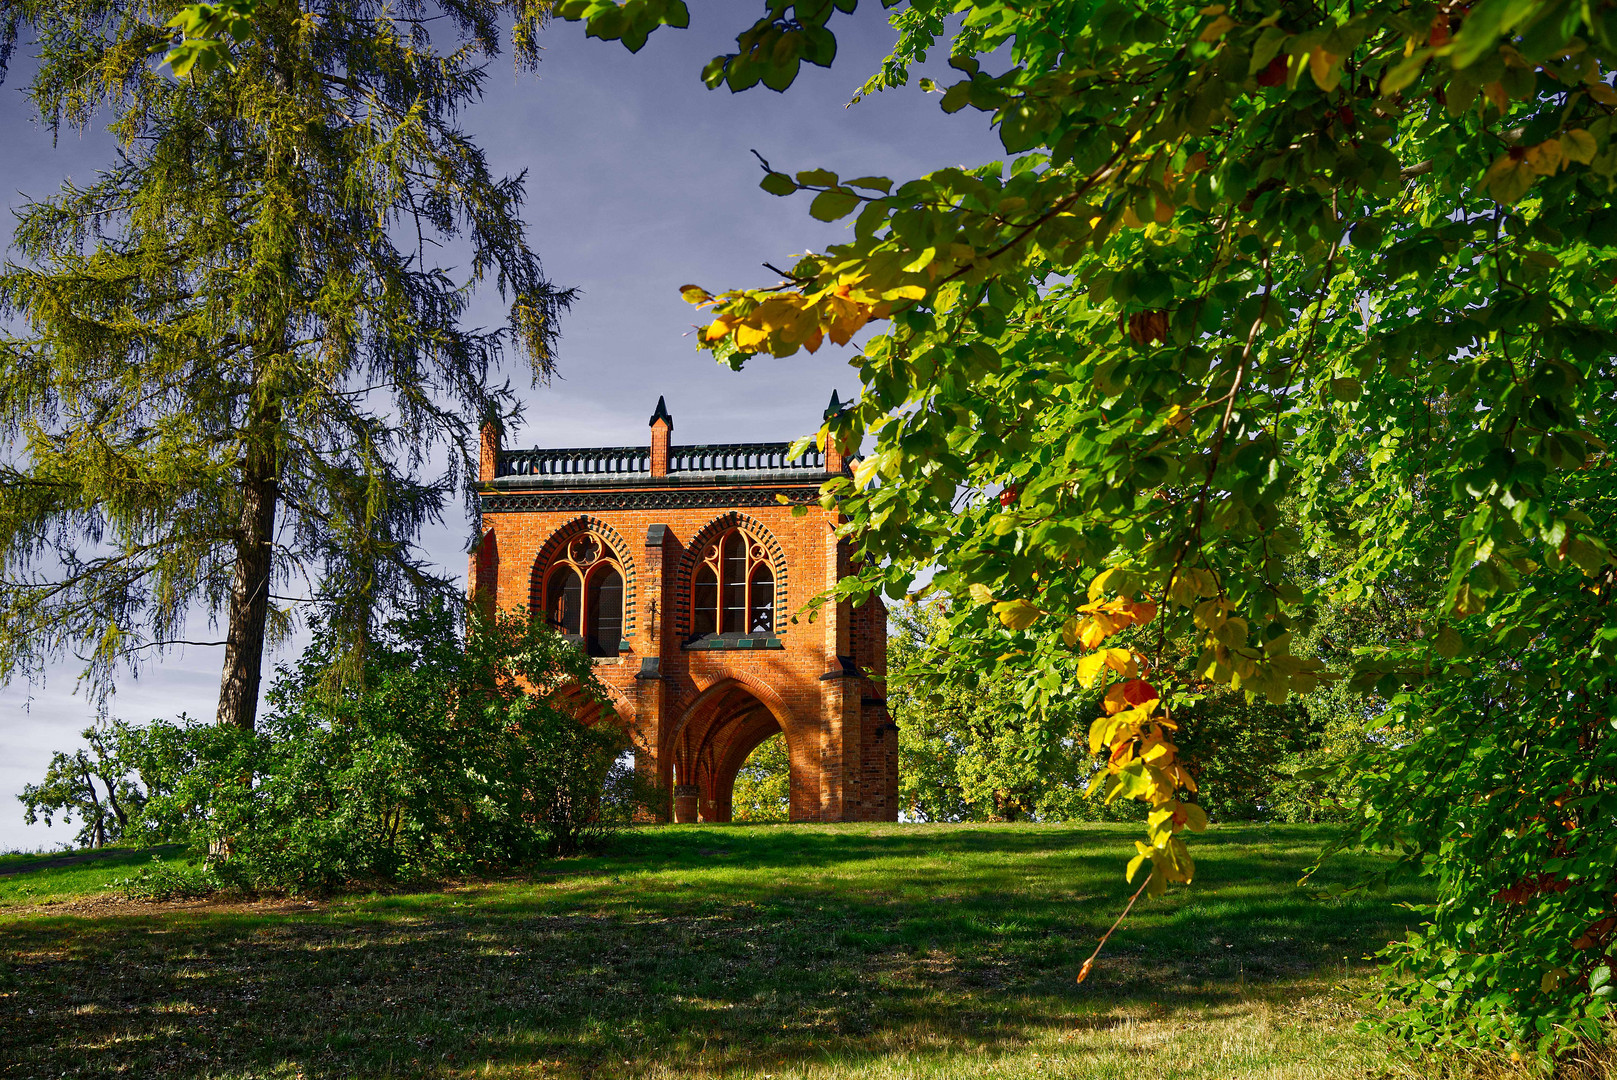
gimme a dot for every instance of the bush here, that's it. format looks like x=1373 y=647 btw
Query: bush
x=574 y=785
x=167 y=881
x=438 y=756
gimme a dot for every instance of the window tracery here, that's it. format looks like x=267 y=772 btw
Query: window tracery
x=733 y=589
x=583 y=594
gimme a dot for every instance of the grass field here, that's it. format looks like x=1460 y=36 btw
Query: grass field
x=725 y=951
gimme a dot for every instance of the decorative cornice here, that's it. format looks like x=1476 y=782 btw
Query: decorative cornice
x=583 y=502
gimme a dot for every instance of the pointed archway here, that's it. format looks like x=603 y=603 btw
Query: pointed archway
x=712 y=740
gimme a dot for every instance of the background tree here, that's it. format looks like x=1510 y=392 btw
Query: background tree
x=1353 y=260
x=93 y=783
x=763 y=786
x=241 y=351
x=968 y=749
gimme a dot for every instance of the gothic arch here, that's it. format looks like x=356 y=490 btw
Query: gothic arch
x=705 y=539
x=766 y=695
x=556 y=544
x=719 y=727
x=617 y=710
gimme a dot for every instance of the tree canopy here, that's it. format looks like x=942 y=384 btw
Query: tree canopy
x=1253 y=280
x=238 y=348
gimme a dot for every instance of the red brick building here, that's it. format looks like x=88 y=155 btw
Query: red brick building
x=681 y=571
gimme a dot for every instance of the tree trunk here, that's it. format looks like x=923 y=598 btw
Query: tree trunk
x=249 y=588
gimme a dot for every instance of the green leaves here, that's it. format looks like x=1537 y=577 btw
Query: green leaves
x=1283 y=321
x=778 y=184
x=202 y=29
x=833 y=204
x=629 y=21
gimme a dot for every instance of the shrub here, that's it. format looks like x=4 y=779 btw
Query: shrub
x=439 y=755
x=167 y=881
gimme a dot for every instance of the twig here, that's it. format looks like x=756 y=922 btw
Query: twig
x=1083 y=972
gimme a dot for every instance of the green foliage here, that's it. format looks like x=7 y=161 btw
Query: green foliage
x=968 y=750
x=444 y=756
x=237 y=349
x=91 y=783
x=763 y=786
x=159 y=880
x=202 y=30
x=1267 y=280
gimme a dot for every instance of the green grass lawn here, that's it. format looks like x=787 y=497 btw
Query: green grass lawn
x=736 y=951
x=44 y=879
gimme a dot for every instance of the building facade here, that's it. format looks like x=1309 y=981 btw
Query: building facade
x=682 y=571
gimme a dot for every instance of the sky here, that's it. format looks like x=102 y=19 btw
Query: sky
x=639 y=180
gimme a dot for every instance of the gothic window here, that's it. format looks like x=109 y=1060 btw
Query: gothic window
x=733 y=590
x=605 y=611
x=584 y=595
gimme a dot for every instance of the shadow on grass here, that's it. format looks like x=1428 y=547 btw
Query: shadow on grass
x=796 y=941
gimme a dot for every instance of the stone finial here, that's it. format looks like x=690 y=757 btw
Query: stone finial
x=834 y=461
x=662 y=428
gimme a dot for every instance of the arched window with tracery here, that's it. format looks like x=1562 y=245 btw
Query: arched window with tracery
x=584 y=594
x=733 y=589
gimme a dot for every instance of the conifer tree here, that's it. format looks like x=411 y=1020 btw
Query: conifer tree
x=233 y=361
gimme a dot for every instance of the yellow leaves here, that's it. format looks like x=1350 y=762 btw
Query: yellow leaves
x=780 y=323
x=1170 y=861
x=750 y=337
x=1121 y=729
x=1191 y=583
x=981 y=593
x=1136 y=693
x=1601 y=92
x=1326 y=68
x=1017 y=614
x=1143 y=852
x=1089 y=667
x=1509 y=177
x=1578 y=145
x=1545 y=158
x=1109 y=579
x=1217 y=28
x=1103 y=618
